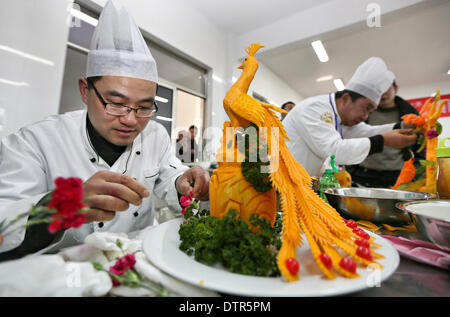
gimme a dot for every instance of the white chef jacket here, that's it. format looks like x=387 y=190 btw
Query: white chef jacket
x=316 y=132
x=59 y=146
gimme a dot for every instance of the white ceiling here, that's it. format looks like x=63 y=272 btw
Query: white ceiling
x=414 y=42
x=415 y=46
x=242 y=16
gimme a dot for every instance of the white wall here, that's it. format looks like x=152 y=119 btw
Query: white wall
x=30 y=89
x=425 y=90
x=266 y=83
x=274 y=88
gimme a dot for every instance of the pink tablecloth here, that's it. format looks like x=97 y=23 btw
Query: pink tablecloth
x=421 y=251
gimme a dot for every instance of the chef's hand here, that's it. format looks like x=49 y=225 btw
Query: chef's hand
x=408 y=126
x=199 y=178
x=107 y=192
x=399 y=138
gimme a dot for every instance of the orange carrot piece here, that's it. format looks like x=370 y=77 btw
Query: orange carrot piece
x=407 y=173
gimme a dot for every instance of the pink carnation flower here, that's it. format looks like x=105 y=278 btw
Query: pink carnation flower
x=185 y=201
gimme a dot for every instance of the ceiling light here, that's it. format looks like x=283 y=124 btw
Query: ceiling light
x=26 y=55
x=339 y=84
x=163 y=118
x=320 y=51
x=161 y=99
x=13 y=83
x=83 y=16
x=274 y=103
x=448 y=72
x=324 y=78
x=218 y=79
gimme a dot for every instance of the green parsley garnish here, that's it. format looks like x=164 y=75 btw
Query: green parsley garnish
x=232 y=242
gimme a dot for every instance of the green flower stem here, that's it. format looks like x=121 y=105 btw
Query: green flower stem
x=159 y=290
x=39 y=210
x=37 y=221
x=132 y=278
x=17 y=219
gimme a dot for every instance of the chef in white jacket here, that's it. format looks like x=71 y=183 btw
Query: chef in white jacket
x=321 y=126
x=122 y=157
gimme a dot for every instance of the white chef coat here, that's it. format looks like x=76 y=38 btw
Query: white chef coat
x=59 y=146
x=316 y=132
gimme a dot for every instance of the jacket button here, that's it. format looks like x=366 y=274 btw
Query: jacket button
x=138 y=152
x=136 y=214
x=93 y=160
x=100 y=224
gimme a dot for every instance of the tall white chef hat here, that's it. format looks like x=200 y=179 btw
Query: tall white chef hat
x=371 y=79
x=118 y=48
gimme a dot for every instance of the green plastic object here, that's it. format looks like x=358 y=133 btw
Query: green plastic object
x=442 y=150
x=333 y=165
x=328 y=180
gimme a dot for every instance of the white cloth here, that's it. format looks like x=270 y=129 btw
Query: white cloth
x=101 y=247
x=118 y=48
x=311 y=129
x=371 y=79
x=50 y=275
x=31 y=159
x=71 y=273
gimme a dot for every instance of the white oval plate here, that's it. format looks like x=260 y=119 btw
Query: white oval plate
x=161 y=248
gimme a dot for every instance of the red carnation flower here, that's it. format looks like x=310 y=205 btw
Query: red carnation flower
x=115 y=283
x=117 y=268
x=67 y=199
x=68 y=195
x=122 y=264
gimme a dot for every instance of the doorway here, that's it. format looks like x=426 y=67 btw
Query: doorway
x=189 y=112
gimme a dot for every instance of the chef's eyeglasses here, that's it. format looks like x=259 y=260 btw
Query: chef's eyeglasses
x=120 y=110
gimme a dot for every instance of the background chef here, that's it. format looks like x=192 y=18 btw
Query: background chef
x=113 y=146
x=334 y=123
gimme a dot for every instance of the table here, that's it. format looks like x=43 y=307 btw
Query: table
x=411 y=279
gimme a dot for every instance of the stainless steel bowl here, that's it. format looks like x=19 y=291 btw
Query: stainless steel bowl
x=432 y=219
x=373 y=204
